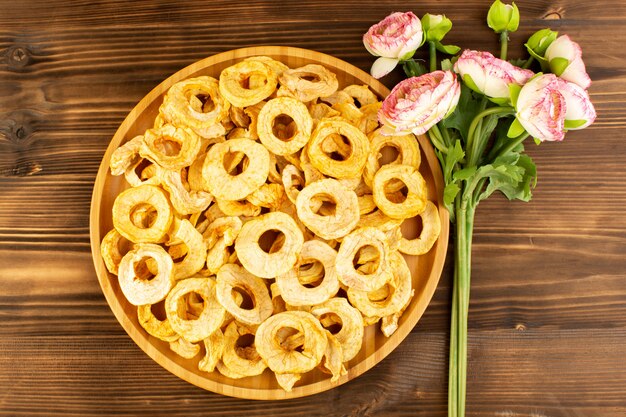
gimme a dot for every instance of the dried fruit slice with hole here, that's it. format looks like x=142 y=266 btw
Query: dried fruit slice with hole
x=431 y=228
x=363 y=239
x=214 y=349
x=198 y=104
x=335 y=165
x=171 y=147
x=343 y=205
x=136 y=280
x=407 y=206
x=407 y=148
x=144 y=197
x=255 y=259
x=337 y=311
x=296 y=135
x=184 y=348
x=241 y=360
x=308 y=82
x=231 y=277
x=296 y=359
x=211 y=315
x=196 y=250
x=235 y=79
x=113 y=248
x=226 y=186
x=160 y=329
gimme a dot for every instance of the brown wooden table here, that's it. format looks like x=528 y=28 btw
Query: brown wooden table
x=547 y=331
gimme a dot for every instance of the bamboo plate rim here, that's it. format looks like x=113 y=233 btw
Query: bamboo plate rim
x=148 y=344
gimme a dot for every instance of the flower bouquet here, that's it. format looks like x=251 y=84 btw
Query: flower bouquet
x=478 y=110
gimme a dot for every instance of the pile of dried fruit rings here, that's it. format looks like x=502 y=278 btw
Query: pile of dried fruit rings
x=261 y=229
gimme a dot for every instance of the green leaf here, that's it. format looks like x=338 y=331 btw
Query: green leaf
x=537 y=141
x=514 y=90
x=447 y=49
x=446 y=65
x=518 y=62
x=465 y=111
x=516 y=129
x=558 y=65
x=454 y=155
x=500 y=101
x=413 y=68
x=449 y=194
x=465 y=173
x=573 y=124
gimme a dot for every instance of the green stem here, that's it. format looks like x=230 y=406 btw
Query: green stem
x=460 y=304
x=511 y=145
x=437 y=140
x=504 y=44
x=473 y=133
x=528 y=62
x=433 y=56
x=411 y=68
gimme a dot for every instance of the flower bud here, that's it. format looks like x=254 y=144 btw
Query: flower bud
x=435 y=27
x=393 y=39
x=503 y=17
x=539 y=42
x=566 y=61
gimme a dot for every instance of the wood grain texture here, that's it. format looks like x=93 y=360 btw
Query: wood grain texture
x=548 y=303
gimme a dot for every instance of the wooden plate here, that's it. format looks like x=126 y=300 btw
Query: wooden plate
x=426 y=268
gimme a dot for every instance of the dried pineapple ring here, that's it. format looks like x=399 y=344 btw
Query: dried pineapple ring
x=281 y=360
x=160 y=146
x=133 y=275
x=415 y=201
x=324 y=82
x=297 y=111
x=244 y=361
x=196 y=250
x=183 y=200
x=362 y=94
x=196 y=103
x=139 y=198
x=232 y=276
x=225 y=186
x=431 y=227
x=184 y=348
x=232 y=80
x=125 y=156
x=349 y=249
x=210 y=318
x=287 y=381
x=351 y=334
x=160 y=329
x=214 y=346
x=293 y=182
x=399 y=292
x=335 y=225
x=406 y=146
x=295 y=293
x=113 y=248
x=255 y=259
x=353 y=165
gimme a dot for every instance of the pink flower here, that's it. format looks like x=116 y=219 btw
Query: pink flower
x=566 y=60
x=548 y=106
x=394 y=38
x=418 y=103
x=491 y=76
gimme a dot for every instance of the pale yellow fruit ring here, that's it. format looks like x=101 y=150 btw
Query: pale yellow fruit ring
x=256 y=260
x=233 y=77
x=296 y=294
x=189 y=142
x=160 y=329
x=183 y=107
x=407 y=147
x=350 y=336
x=353 y=165
x=300 y=115
x=133 y=198
x=348 y=250
x=431 y=227
x=232 y=359
x=140 y=291
x=235 y=187
x=336 y=225
x=284 y=361
x=231 y=276
x=209 y=320
x=415 y=201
